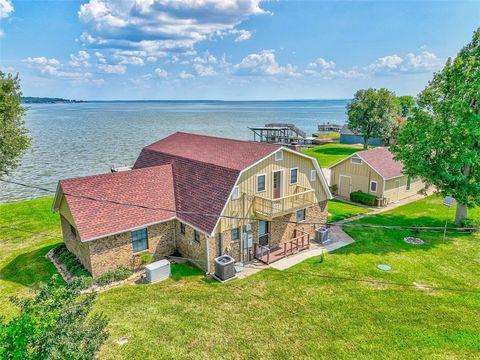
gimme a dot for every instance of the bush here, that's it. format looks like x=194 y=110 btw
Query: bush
x=83 y=282
x=334 y=188
x=363 y=198
x=73 y=265
x=117 y=274
x=470 y=223
x=146 y=258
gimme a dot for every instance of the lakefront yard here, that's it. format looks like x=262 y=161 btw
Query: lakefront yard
x=341 y=307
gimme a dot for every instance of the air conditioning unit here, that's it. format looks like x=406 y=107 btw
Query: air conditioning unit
x=157 y=271
x=224 y=267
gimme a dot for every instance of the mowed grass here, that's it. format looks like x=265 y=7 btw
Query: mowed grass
x=339 y=210
x=341 y=307
x=28 y=230
x=329 y=154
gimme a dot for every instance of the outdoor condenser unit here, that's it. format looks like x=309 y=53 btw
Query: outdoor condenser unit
x=157 y=271
x=224 y=267
x=321 y=235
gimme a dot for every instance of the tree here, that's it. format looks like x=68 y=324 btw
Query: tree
x=13 y=134
x=55 y=324
x=373 y=113
x=406 y=103
x=440 y=142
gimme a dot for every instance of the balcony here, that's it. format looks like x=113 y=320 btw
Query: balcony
x=271 y=208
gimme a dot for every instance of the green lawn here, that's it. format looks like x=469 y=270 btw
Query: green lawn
x=343 y=307
x=327 y=136
x=329 y=154
x=339 y=210
x=28 y=230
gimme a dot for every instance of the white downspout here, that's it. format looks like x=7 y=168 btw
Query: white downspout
x=207 y=242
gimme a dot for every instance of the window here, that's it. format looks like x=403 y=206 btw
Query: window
x=139 y=240
x=373 y=186
x=235 y=193
x=300 y=215
x=73 y=231
x=356 y=160
x=182 y=229
x=196 y=236
x=235 y=235
x=261 y=180
x=313 y=175
x=293 y=176
x=279 y=156
x=409 y=181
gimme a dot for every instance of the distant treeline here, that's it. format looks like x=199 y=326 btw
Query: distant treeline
x=47 y=100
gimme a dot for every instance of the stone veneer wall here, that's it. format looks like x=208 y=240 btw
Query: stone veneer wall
x=195 y=251
x=282 y=232
x=112 y=251
x=74 y=245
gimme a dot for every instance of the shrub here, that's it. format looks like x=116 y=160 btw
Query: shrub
x=117 y=274
x=363 y=198
x=83 y=282
x=71 y=262
x=146 y=258
x=334 y=188
x=470 y=223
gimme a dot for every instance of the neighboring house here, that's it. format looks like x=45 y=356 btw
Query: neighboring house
x=347 y=136
x=374 y=172
x=198 y=196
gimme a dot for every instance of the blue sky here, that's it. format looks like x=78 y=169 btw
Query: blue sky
x=240 y=49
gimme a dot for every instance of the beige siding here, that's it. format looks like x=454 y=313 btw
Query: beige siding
x=247 y=186
x=355 y=177
x=396 y=189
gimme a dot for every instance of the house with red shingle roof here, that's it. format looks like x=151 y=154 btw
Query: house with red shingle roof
x=198 y=197
x=374 y=172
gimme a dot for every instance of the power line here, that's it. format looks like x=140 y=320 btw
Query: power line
x=216 y=216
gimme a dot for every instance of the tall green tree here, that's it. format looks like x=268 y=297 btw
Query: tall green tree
x=13 y=134
x=440 y=142
x=406 y=103
x=373 y=113
x=56 y=324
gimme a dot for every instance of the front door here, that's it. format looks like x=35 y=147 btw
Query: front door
x=263 y=233
x=277 y=184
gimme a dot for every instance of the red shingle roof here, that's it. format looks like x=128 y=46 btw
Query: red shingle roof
x=381 y=160
x=229 y=153
x=192 y=174
x=150 y=187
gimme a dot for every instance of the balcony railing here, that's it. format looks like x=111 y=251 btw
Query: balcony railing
x=272 y=208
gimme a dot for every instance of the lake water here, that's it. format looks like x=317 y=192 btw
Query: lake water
x=72 y=140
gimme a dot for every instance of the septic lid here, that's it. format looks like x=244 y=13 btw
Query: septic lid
x=384 y=267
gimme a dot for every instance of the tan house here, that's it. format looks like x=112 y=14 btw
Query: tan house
x=373 y=172
x=198 y=196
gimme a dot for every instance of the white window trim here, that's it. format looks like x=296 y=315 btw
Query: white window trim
x=256 y=183
x=356 y=163
x=376 y=186
x=290 y=180
x=236 y=190
x=313 y=175
x=279 y=155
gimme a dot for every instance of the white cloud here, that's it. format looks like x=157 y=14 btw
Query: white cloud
x=41 y=60
x=322 y=64
x=389 y=62
x=207 y=58
x=263 y=63
x=203 y=70
x=161 y=25
x=131 y=60
x=242 y=35
x=423 y=61
x=111 y=69
x=6 y=8
x=161 y=73
x=151 y=59
x=79 y=60
x=185 y=75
